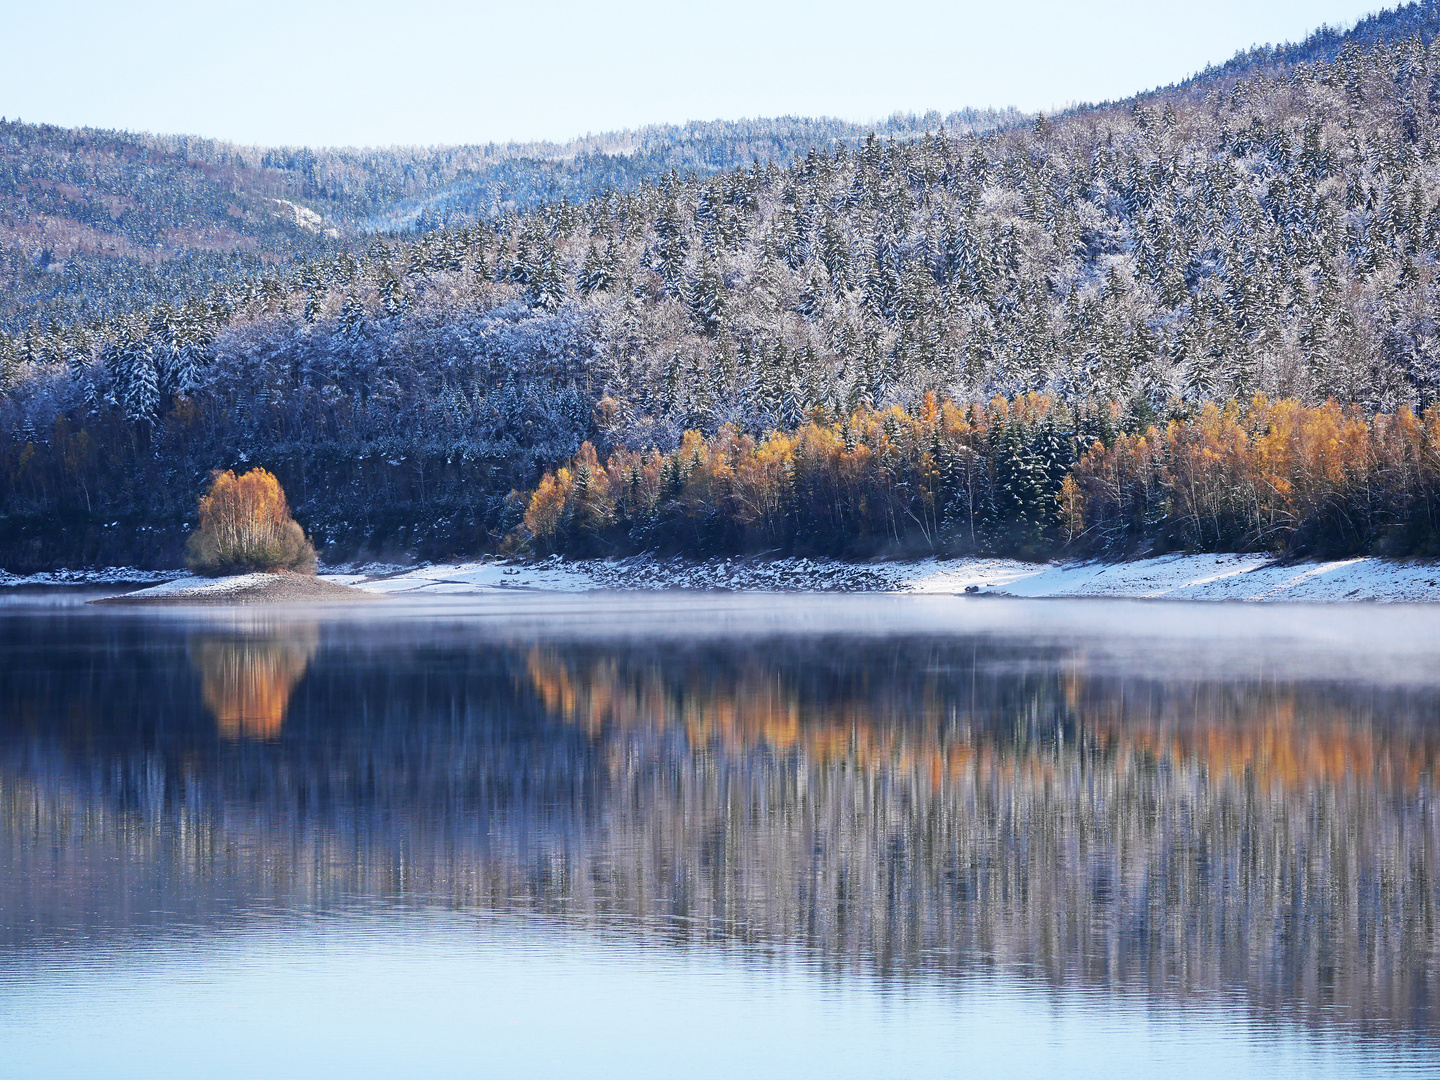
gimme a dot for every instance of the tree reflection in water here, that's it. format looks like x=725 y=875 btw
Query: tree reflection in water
x=904 y=804
x=247 y=679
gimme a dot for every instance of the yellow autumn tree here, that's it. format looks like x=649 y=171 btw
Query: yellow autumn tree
x=1258 y=476
x=245 y=526
x=545 y=514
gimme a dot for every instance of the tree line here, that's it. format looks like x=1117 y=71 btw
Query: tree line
x=1028 y=477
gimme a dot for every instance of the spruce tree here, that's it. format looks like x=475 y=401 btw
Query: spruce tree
x=139 y=381
x=706 y=299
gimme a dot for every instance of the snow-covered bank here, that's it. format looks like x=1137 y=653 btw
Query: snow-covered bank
x=1177 y=577
x=1180 y=577
x=110 y=575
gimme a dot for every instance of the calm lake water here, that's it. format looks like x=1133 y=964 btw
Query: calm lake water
x=719 y=836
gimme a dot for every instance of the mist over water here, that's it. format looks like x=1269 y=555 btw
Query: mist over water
x=720 y=835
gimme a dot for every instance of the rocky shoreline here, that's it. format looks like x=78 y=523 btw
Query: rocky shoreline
x=1226 y=577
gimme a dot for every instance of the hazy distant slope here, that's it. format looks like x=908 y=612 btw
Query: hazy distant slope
x=518 y=176
x=93 y=223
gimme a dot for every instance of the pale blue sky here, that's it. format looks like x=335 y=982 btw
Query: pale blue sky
x=360 y=72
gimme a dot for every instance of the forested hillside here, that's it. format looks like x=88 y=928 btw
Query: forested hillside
x=1106 y=271
x=94 y=224
x=97 y=223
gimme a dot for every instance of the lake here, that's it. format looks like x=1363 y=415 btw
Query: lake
x=710 y=835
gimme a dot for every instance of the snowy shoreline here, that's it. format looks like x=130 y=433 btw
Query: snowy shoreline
x=1179 y=577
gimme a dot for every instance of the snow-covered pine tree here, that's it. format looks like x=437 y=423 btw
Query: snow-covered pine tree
x=706 y=297
x=352 y=317
x=593 y=276
x=139 y=382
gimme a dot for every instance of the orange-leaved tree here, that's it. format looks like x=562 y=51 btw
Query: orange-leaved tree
x=245 y=525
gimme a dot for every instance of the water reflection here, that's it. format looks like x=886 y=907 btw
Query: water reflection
x=247 y=678
x=1275 y=736
x=915 y=805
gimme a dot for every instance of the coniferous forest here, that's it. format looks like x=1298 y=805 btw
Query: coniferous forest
x=1203 y=318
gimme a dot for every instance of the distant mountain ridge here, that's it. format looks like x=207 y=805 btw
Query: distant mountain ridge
x=94 y=223
x=518 y=175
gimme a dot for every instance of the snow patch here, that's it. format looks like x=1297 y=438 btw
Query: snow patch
x=303 y=216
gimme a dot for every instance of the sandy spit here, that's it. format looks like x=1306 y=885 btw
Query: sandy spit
x=281 y=588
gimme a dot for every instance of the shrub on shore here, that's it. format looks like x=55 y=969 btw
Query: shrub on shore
x=245 y=526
